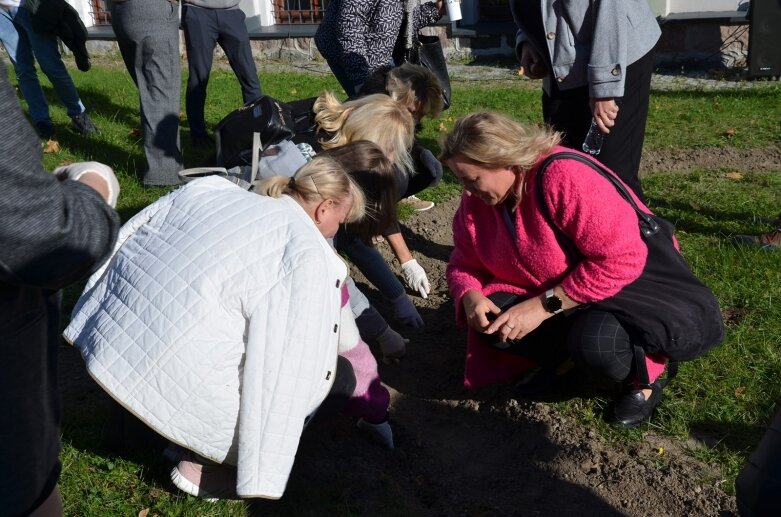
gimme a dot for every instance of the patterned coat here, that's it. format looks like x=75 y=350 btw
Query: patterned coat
x=360 y=34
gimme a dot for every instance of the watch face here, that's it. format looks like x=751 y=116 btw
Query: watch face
x=553 y=302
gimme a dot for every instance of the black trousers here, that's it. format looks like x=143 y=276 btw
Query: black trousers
x=568 y=111
x=594 y=339
x=203 y=29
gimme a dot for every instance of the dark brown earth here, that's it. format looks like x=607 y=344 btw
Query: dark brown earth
x=482 y=453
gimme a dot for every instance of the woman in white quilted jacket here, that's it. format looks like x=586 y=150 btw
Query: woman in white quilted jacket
x=221 y=322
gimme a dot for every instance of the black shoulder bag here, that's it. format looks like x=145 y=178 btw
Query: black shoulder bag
x=667 y=309
x=272 y=119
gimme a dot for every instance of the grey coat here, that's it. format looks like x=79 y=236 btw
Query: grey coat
x=625 y=31
x=51 y=234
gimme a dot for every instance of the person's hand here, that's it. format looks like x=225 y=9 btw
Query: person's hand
x=380 y=433
x=405 y=312
x=392 y=345
x=94 y=174
x=520 y=319
x=477 y=308
x=605 y=112
x=532 y=65
x=416 y=277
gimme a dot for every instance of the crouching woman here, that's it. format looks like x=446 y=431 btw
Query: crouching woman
x=548 y=257
x=218 y=322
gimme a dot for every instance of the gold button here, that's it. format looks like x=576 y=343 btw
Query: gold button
x=551 y=35
x=616 y=71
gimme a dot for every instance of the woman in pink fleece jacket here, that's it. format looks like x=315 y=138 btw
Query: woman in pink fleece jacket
x=505 y=245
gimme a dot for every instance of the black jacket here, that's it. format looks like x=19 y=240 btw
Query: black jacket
x=51 y=234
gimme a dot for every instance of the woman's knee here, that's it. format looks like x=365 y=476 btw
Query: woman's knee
x=600 y=343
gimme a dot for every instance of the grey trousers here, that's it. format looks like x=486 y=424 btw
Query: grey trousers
x=148 y=36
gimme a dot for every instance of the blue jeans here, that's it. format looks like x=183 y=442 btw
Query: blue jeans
x=371 y=263
x=24 y=46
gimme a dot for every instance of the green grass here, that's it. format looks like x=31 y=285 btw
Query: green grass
x=726 y=398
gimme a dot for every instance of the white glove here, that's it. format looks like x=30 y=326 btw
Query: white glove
x=76 y=170
x=416 y=278
x=392 y=346
x=380 y=433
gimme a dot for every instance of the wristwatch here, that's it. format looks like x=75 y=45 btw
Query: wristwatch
x=552 y=303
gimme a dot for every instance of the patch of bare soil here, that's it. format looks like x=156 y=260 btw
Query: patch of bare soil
x=476 y=453
x=483 y=452
x=716 y=158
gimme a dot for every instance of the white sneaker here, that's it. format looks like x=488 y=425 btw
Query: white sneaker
x=210 y=481
x=417 y=204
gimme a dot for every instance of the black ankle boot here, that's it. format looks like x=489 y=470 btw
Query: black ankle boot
x=632 y=408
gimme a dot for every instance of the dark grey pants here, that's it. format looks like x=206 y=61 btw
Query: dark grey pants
x=203 y=29
x=148 y=36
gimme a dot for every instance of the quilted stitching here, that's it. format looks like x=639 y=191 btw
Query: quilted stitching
x=165 y=329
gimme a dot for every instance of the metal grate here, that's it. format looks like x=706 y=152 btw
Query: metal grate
x=294 y=12
x=99 y=12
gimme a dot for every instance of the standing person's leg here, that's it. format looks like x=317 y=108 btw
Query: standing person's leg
x=234 y=40
x=149 y=29
x=200 y=36
x=623 y=147
x=48 y=55
x=568 y=111
x=30 y=439
x=19 y=50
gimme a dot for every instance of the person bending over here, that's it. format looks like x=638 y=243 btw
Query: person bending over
x=219 y=322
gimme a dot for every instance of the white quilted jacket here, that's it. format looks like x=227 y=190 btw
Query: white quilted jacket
x=216 y=323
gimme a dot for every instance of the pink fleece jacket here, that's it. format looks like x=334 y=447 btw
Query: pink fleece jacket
x=488 y=258
x=370 y=399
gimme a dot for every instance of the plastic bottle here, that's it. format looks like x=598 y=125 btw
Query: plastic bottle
x=594 y=138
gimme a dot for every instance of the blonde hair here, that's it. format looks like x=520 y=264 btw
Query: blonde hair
x=376 y=118
x=497 y=141
x=317 y=180
x=412 y=84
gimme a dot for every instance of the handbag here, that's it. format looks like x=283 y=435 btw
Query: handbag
x=667 y=309
x=270 y=118
x=426 y=52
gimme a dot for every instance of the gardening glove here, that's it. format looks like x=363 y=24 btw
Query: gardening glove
x=416 y=277
x=75 y=171
x=392 y=346
x=405 y=312
x=380 y=433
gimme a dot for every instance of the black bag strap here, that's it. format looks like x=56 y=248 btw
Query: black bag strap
x=647 y=223
x=648 y=226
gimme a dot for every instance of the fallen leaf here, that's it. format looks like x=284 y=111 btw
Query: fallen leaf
x=293 y=91
x=730 y=132
x=660 y=451
x=739 y=391
x=734 y=175
x=134 y=133
x=144 y=512
x=182 y=116
x=51 y=146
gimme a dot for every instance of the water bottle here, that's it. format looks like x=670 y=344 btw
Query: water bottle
x=594 y=138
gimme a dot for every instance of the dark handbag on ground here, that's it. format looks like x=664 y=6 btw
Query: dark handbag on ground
x=427 y=53
x=667 y=309
x=270 y=118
